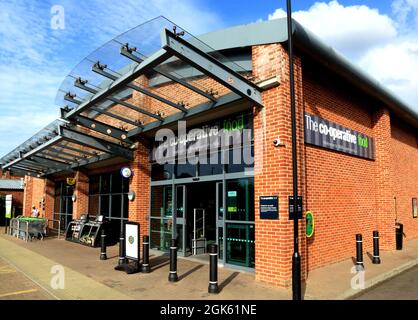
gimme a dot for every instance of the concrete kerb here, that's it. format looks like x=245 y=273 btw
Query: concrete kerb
x=352 y=293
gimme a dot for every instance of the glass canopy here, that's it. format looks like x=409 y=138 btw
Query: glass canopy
x=149 y=76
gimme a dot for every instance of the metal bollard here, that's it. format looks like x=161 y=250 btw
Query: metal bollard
x=213 y=268
x=5 y=228
x=145 y=255
x=122 y=257
x=103 y=255
x=376 y=257
x=172 y=277
x=359 y=253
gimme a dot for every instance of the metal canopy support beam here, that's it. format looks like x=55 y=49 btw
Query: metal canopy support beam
x=168 y=75
x=29 y=167
x=226 y=99
x=34 y=151
x=65 y=154
x=50 y=163
x=56 y=155
x=17 y=172
x=210 y=66
x=95 y=143
x=113 y=99
x=142 y=90
x=103 y=128
x=84 y=162
x=24 y=168
x=61 y=146
x=34 y=165
x=142 y=68
x=109 y=114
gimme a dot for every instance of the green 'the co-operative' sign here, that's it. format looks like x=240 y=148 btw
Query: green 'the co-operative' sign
x=327 y=134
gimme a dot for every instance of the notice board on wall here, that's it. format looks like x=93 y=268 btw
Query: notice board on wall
x=269 y=207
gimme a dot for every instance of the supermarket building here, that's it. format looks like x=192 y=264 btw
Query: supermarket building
x=357 y=146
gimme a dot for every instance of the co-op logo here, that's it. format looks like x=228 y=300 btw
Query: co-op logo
x=335 y=133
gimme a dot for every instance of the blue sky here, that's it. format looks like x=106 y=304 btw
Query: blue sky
x=34 y=58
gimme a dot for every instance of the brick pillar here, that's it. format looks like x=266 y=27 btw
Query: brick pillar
x=49 y=199
x=385 y=210
x=273 y=166
x=81 y=191
x=140 y=184
x=27 y=196
x=33 y=195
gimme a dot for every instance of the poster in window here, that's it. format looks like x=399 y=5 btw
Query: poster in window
x=414 y=208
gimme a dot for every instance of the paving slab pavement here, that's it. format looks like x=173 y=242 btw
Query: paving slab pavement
x=16 y=285
x=334 y=281
x=90 y=278
x=87 y=277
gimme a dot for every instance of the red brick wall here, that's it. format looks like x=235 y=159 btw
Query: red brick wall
x=6 y=175
x=342 y=207
x=34 y=193
x=404 y=152
x=17 y=197
x=273 y=166
x=81 y=191
x=140 y=184
x=384 y=184
x=49 y=198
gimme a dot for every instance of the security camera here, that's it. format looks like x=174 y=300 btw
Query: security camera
x=277 y=142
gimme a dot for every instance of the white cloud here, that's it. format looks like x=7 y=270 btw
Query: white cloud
x=350 y=29
x=384 y=46
x=396 y=66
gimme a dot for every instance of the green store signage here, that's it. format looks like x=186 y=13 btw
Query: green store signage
x=330 y=135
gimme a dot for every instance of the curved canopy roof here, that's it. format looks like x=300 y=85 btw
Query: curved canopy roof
x=120 y=90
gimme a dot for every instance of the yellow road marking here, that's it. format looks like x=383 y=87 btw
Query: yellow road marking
x=7 y=271
x=17 y=293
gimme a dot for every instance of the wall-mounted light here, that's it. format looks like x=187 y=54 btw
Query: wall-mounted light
x=74 y=197
x=131 y=195
x=126 y=172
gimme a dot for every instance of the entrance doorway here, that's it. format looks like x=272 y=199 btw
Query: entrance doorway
x=196 y=206
x=198 y=213
x=63 y=204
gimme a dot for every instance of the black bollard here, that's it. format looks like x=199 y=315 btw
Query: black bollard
x=376 y=257
x=399 y=236
x=359 y=253
x=122 y=257
x=213 y=268
x=145 y=255
x=172 y=277
x=5 y=228
x=103 y=255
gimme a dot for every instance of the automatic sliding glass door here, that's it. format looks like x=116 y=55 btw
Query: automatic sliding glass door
x=161 y=219
x=181 y=220
x=220 y=219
